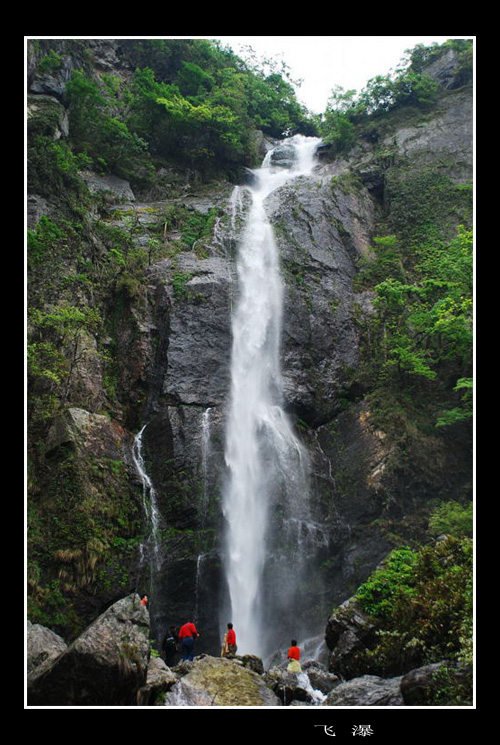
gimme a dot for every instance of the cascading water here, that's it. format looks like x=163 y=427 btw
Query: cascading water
x=267 y=465
x=205 y=455
x=152 y=545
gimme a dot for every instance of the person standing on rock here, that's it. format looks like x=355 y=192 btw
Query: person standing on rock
x=170 y=646
x=294 y=657
x=187 y=635
x=229 y=645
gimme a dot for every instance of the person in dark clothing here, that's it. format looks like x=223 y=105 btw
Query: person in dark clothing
x=170 y=646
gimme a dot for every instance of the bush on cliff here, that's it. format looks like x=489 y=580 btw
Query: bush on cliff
x=421 y=603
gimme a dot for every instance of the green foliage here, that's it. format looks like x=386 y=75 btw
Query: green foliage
x=349 y=114
x=193 y=81
x=53 y=168
x=425 y=208
x=380 y=594
x=338 y=123
x=213 y=130
x=428 y=322
x=82 y=523
x=192 y=102
x=420 y=338
x=55 y=349
x=405 y=88
x=189 y=101
x=101 y=135
x=41 y=241
x=421 y=603
x=452 y=518
x=421 y=273
x=421 y=56
x=462 y=412
x=51 y=61
x=196 y=226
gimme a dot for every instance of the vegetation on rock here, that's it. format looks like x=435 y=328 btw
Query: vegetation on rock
x=420 y=602
x=350 y=115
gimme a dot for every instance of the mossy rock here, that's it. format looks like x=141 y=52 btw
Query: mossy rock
x=213 y=681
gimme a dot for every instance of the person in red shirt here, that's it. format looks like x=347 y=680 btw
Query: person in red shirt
x=294 y=657
x=187 y=635
x=231 y=639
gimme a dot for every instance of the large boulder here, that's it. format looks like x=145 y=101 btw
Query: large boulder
x=159 y=680
x=283 y=156
x=423 y=685
x=288 y=686
x=218 y=681
x=104 y=666
x=348 y=632
x=368 y=690
x=319 y=678
x=308 y=688
x=43 y=646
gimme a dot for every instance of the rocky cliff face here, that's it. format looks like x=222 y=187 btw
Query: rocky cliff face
x=171 y=341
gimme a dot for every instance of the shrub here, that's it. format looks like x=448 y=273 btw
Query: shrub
x=452 y=518
x=422 y=604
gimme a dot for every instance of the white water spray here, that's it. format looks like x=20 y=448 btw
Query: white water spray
x=264 y=457
x=205 y=455
x=149 y=502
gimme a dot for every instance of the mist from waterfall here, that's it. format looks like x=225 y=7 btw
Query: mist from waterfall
x=267 y=464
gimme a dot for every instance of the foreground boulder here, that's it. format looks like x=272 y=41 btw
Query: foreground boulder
x=159 y=680
x=43 y=646
x=218 y=681
x=348 y=632
x=319 y=678
x=105 y=666
x=307 y=688
x=425 y=684
x=368 y=690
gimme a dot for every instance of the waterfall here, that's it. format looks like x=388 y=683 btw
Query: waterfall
x=150 y=504
x=205 y=454
x=267 y=464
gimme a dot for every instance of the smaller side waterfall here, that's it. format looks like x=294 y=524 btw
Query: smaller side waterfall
x=152 y=546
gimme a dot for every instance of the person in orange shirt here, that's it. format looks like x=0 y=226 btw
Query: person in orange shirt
x=294 y=657
x=187 y=634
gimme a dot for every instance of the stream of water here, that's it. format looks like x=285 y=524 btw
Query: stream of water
x=152 y=546
x=267 y=464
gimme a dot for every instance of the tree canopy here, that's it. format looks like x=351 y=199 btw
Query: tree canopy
x=188 y=100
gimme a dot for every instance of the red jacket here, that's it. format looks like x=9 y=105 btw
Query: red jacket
x=189 y=629
x=231 y=636
x=294 y=653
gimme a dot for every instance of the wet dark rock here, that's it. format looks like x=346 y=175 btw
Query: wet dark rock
x=368 y=690
x=106 y=665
